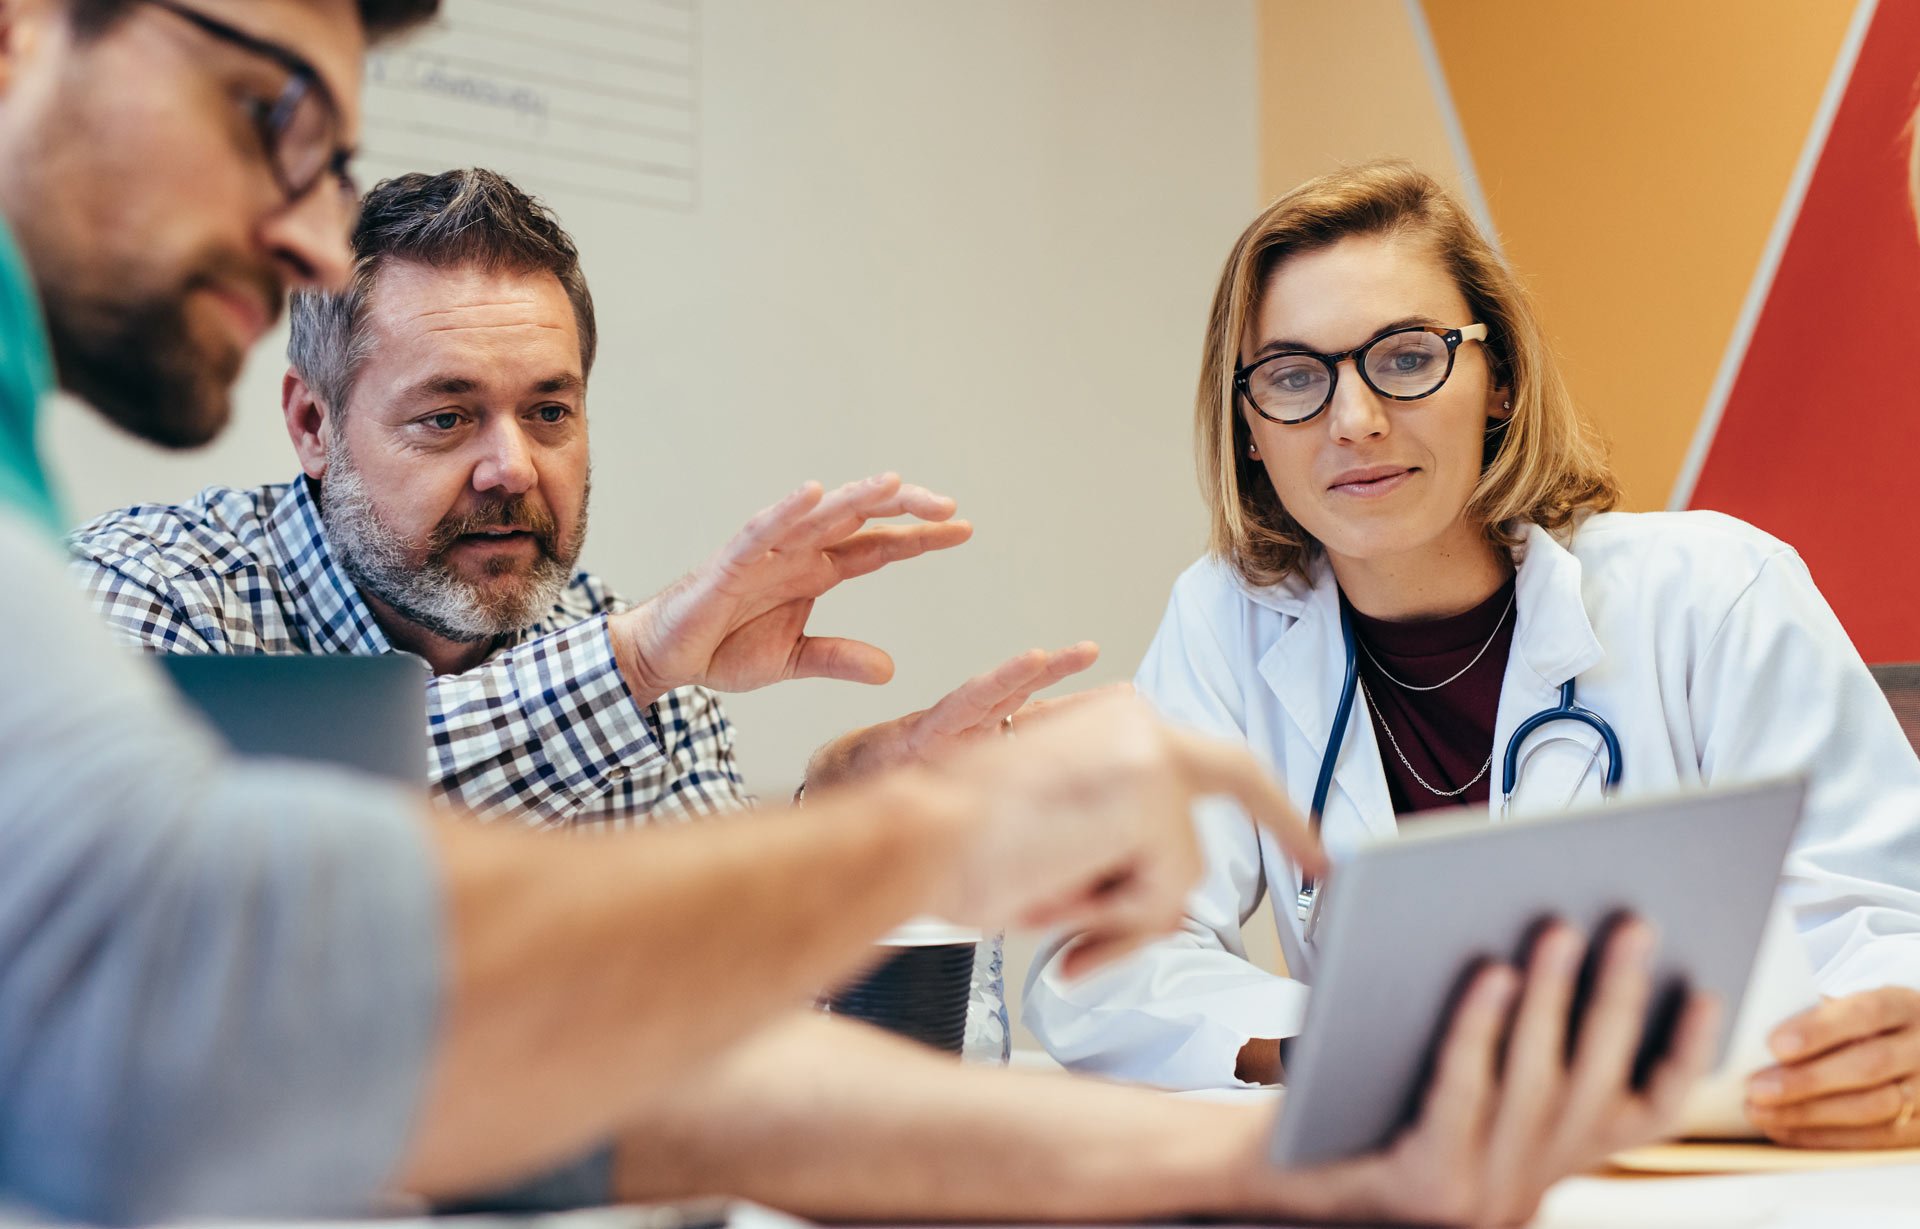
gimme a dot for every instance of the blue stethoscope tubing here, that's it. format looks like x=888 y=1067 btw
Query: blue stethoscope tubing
x=1568 y=709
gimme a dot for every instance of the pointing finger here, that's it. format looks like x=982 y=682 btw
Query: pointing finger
x=1215 y=767
x=1119 y=923
x=1095 y=950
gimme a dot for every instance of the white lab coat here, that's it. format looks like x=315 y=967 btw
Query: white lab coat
x=1700 y=639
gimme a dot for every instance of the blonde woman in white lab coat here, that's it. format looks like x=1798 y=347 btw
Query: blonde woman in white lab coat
x=1380 y=424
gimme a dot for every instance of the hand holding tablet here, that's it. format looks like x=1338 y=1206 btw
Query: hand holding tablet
x=1431 y=1070
x=1509 y=1110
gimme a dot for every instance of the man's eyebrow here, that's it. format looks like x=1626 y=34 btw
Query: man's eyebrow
x=439 y=386
x=461 y=386
x=1281 y=345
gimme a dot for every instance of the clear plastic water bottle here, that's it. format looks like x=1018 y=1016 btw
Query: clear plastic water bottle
x=989 y=1040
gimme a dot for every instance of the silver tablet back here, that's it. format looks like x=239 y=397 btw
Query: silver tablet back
x=1406 y=921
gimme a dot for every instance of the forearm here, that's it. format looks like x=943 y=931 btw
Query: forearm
x=588 y=971
x=831 y=1120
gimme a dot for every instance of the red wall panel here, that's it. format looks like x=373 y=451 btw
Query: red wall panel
x=1820 y=439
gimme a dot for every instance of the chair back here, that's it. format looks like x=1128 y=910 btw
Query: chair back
x=1902 y=685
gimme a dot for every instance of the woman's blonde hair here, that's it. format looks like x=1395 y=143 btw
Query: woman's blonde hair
x=1544 y=465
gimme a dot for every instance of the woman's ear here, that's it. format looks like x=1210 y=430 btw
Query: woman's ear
x=1247 y=454
x=1500 y=404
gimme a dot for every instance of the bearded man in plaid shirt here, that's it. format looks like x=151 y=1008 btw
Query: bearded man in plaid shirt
x=438 y=407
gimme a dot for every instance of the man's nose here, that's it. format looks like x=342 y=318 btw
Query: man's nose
x=507 y=463
x=310 y=239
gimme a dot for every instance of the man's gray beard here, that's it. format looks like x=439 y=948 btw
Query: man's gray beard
x=380 y=562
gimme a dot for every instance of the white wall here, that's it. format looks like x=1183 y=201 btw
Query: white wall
x=971 y=242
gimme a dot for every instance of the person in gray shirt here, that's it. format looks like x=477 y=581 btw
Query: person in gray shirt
x=235 y=989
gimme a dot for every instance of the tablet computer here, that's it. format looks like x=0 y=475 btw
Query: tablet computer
x=368 y=713
x=1405 y=922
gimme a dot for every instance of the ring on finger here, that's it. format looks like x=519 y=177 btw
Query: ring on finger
x=1006 y=727
x=1906 y=1104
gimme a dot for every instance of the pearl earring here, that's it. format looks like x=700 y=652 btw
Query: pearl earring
x=1253 y=451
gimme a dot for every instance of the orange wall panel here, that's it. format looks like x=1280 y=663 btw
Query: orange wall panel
x=1634 y=155
x=1342 y=83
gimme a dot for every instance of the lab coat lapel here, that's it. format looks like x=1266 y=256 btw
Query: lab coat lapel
x=1553 y=641
x=1304 y=667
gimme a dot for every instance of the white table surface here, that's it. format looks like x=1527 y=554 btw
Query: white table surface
x=1878 y=1198
x=1882 y=1198
x=1854 y=1198
x=1864 y=1198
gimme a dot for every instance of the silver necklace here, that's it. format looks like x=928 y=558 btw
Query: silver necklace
x=1457 y=673
x=1424 y=784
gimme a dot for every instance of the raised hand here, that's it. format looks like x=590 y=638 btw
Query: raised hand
x=739 y=620
x=978 y=707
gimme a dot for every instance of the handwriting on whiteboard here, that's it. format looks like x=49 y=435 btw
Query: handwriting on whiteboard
x=598 y=97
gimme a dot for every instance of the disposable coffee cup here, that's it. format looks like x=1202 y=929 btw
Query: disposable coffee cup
x=919 y=988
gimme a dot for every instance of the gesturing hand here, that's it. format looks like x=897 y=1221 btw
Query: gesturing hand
x=1848 y=1075
x=977 y=707
x=1086 y=822
x=982 y=704
x=739 y=620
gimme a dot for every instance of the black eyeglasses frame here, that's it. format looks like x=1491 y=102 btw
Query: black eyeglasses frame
x=271 y=121
x=1452 y=337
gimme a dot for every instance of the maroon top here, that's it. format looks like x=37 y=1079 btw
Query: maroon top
x=1445 y=734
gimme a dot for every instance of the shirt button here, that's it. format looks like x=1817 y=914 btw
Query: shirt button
x=618 y=774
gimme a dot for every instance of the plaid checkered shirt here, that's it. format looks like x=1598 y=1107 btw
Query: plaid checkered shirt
x=544 y=731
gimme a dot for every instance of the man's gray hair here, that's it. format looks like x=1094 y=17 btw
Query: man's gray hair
x=446 y=221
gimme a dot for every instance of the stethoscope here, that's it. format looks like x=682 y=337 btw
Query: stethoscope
x=1567 y=710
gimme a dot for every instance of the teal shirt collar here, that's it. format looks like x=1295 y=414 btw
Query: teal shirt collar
x=26 y=379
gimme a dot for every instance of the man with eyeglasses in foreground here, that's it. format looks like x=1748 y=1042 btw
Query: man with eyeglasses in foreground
x=228 y=989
